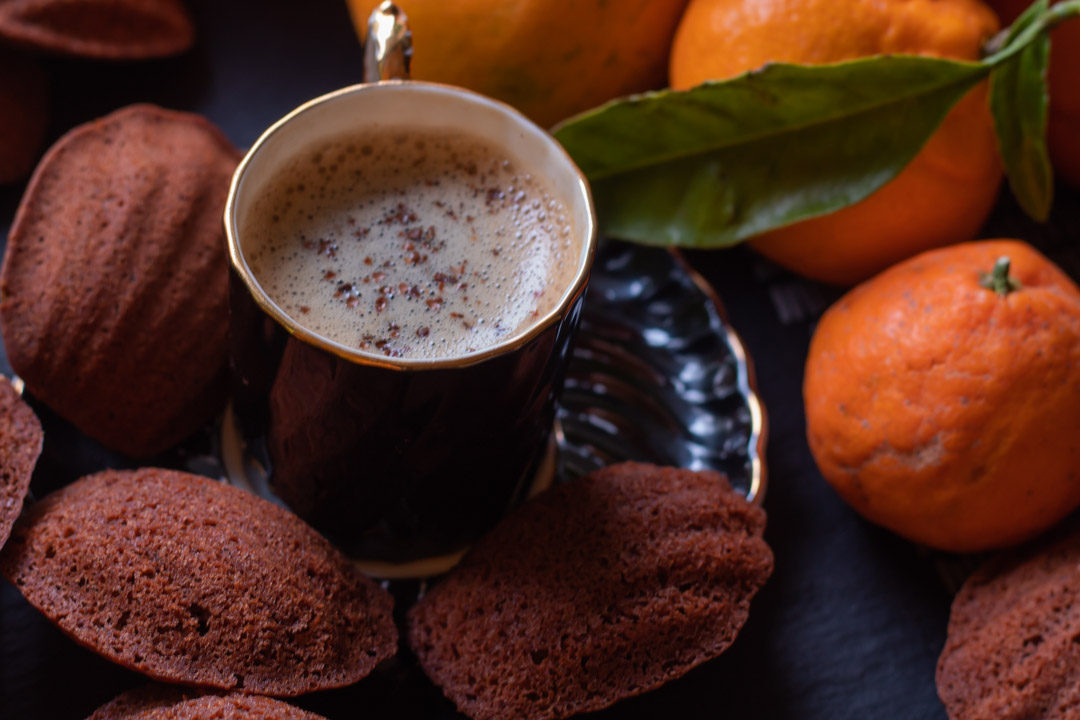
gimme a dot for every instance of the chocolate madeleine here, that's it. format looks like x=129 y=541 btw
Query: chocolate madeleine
x=24 y=115
x=105 y=29
x=1013 y=648
x=596 y=590
x=191 y=581
x=158 y=702
x=20 y=445
x=114 y=302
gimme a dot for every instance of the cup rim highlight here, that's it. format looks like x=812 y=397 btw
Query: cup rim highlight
x=354 y=355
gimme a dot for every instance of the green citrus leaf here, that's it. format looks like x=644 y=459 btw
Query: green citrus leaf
x=724 y=161
x=1019 y=100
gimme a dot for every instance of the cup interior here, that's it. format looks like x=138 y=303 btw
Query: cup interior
x=420 y=105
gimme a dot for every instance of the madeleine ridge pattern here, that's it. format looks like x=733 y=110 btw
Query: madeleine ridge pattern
x=157 y=702
x=595 y=591
x=1013 y=648
x=191 y=581
x=115 y=280
x=21 y=441
x=102 y=29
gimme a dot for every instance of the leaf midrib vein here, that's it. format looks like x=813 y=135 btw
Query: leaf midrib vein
x=977 y=71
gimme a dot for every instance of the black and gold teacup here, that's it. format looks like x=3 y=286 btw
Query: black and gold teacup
x=400 y=459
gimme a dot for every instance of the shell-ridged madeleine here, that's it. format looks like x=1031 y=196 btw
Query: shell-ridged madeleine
x=1013 y=650
x=158 y=702
x=191 y=581
x=105 y=29
x=595 y=591
x=21 y=440
x=115 y=281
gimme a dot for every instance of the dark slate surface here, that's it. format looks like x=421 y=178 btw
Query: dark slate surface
x=852 y=621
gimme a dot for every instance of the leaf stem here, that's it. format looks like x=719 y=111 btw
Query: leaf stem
x=1005 y=45
x=1061 y=12
x=998 y=279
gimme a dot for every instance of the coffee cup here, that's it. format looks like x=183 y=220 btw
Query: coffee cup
x=408 y=266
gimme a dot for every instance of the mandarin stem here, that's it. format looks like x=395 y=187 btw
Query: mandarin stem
x=998 y=279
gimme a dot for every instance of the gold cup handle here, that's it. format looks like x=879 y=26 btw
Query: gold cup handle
x=388 y=45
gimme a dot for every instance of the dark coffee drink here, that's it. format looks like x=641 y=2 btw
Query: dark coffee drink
x=412 y=243
x=409 y=265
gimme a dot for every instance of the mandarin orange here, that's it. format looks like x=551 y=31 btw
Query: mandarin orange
x=548 y=58
x=945 y=406
x=945 y=193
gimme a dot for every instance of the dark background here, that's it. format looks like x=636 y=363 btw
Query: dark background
x=849 y=626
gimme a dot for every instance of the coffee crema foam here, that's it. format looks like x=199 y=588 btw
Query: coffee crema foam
x=411 y=243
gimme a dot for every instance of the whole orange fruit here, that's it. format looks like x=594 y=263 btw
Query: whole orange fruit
x=943 y=196
x=1064 y=130
x=549 y=58
x=946 y=410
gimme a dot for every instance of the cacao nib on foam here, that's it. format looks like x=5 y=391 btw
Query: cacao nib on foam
x=411 y=243
x=191 y=581
x=115 y=278
x=596 y=590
